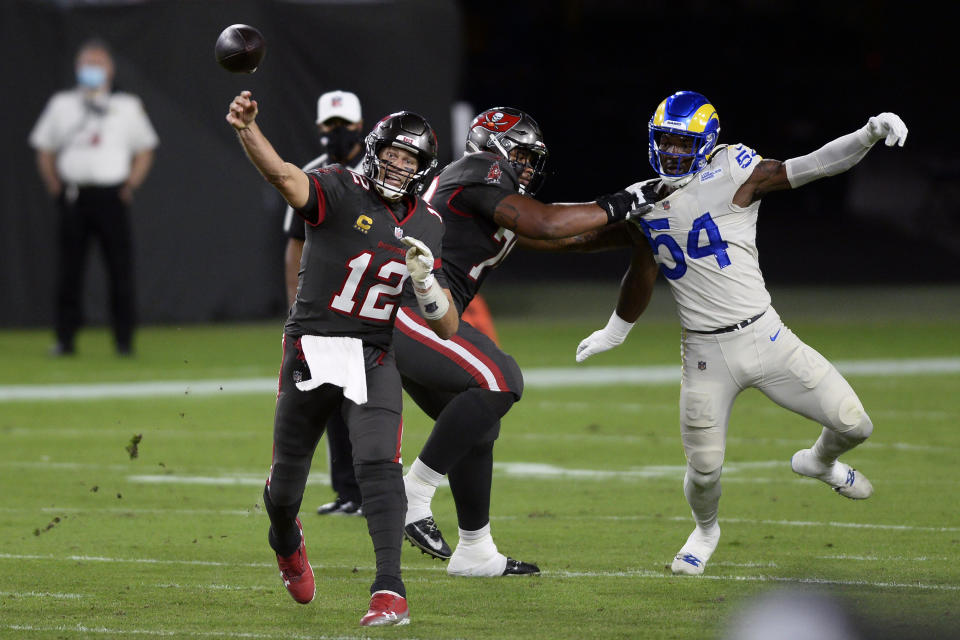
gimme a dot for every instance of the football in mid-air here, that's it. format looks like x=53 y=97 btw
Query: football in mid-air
x=240 y=48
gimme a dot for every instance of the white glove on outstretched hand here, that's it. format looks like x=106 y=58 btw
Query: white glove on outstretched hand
x=431 y=298
x=419 y=262
x=605 y=339
x=887 y=125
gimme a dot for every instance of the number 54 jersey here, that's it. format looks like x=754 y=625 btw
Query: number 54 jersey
x=706 y=246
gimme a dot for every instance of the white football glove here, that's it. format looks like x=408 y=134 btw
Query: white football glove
x=419 y=262
x=605 y=339
x=887 y=125
x=431 y=298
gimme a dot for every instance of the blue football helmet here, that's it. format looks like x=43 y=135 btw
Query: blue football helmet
x=687 y=114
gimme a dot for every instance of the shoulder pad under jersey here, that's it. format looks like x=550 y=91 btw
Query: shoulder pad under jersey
x=482 y=167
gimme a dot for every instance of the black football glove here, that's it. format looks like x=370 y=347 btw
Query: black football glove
x=617 y=205
x=646 y=195
x=649 y=190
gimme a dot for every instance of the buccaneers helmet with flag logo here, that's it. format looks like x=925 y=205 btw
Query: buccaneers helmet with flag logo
x=501 y=130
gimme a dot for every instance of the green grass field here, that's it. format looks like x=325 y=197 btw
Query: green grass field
x=172 y=542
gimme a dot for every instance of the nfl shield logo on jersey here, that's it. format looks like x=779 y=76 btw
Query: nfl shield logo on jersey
x=397 y=232
x=702 y=365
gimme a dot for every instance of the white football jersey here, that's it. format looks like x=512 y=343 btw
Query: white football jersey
x=706 y=246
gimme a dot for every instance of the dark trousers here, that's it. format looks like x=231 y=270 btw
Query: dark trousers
x=342 y=478
x=374 y=429
x=96 y=213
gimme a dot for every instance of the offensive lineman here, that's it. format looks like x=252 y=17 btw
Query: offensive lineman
x=466 y=384
x=702 y=229
x=336 y=343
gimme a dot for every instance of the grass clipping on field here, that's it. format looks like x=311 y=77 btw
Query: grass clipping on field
x=133 y=449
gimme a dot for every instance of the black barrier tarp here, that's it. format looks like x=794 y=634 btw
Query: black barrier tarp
x=206 y=225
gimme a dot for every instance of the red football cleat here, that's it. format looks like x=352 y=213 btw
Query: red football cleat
x=386 y=607
x=296 y=572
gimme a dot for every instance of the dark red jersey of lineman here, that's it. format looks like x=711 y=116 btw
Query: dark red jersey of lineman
x=353 y=268
x=466 y=194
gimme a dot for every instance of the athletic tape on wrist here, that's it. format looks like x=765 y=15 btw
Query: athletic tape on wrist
x=432 y=300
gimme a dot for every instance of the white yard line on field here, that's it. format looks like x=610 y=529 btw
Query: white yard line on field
x=554 y=517
x=780 y=523
x=533 y=378
x=641 y=573
x=546 y=574
x=41 y=594
x=85 y=631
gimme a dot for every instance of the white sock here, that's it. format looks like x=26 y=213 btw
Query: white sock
x=479 y=541
x=420 y=483
x=471 y=537
x=477 y=555
x=704 y=503
x=830 y=446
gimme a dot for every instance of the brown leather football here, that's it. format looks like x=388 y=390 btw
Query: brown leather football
x=240 y=48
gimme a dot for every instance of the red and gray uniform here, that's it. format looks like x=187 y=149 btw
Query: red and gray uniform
x=466 y=194
x=352 y=274
x=339 y=450
x=353 y=267
x=293 y=225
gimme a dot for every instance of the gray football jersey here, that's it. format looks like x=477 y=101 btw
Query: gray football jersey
x=292 y=223
x=466 y=193
x=353 y=268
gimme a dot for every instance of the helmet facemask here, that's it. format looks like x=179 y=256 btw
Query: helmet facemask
x=693 y=128
x=677 y=167
x=408 y=132
x=383 y=173
x=530 y=164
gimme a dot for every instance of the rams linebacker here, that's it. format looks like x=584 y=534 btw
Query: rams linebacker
x=702 y=231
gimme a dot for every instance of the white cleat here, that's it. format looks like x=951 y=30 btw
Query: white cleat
x=692 y=558
x=843 y=478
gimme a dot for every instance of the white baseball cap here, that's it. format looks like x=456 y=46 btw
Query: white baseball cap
x=338 y=104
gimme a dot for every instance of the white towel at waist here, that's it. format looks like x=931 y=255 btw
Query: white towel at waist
x=335 y=360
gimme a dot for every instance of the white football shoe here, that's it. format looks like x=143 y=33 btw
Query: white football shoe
x=692 y=558
x=843 y=478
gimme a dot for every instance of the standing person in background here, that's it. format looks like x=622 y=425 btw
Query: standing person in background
x=94 y=148
x=340 y=125
x=702 y=228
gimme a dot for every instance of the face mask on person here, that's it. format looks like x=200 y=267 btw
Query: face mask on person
x=339 y=141
x=91 y=76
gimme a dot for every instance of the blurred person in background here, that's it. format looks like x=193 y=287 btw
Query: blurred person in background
x=94 y=148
